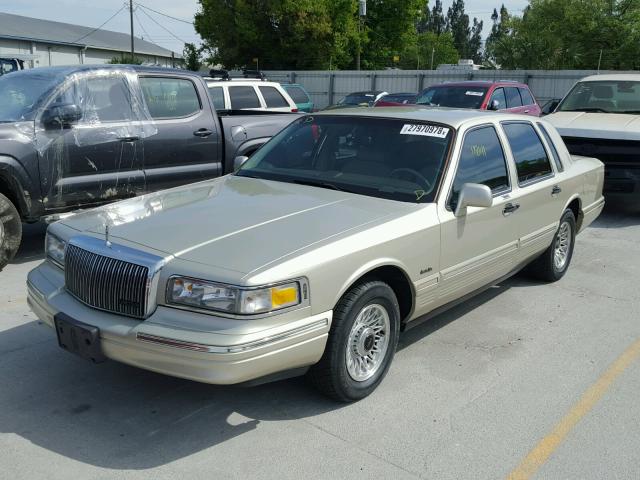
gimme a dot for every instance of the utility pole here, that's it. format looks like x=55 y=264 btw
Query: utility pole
x=362 y=12
x=433 y=52
x=131 y=18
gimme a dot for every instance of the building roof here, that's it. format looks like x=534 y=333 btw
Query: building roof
x=18 y=27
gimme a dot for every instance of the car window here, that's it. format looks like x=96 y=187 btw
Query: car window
x=607 y=96
x=554 y=151
x=466 y=96
x=382 y=157
x=498 y=94
x=527 y=98
x=243 y=97
x=529 y=154
x=482 y=160
x=217 y=95
x=513 y=97
x=170 y=97
x=297 y=94
x=273 y=98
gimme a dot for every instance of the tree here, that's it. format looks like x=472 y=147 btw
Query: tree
x=572 y=34
x=192 y=57
x=475 y=42
x=499 y=29
x=458 y=25
x=437 y=22
x=282 y=34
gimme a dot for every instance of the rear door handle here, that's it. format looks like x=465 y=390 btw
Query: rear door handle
x=509 y=208
x=203 y=132
x=555 y=190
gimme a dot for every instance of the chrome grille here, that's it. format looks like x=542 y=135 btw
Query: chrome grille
x=106 y=283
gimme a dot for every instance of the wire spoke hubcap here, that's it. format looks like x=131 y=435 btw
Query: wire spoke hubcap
x=368 y=342
x=562 y=246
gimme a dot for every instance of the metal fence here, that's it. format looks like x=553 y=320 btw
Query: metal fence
x=327 y=87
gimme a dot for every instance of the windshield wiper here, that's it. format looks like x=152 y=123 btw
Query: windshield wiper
x=319 y=183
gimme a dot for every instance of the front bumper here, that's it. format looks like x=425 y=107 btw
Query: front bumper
x=163 y=342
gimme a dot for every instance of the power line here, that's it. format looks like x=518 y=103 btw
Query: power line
x=98 y=28
x=164 y=14
x=163 y=27
x=135 y=14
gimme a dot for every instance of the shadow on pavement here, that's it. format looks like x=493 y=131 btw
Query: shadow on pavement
x=32 y=246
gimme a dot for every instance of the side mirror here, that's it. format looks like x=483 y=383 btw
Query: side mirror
x=473 y=195
x=550 y=106
x=59 y=116
x=239 y=161
x=494 y=105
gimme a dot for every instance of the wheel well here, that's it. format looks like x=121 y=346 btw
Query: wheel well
x=7 y=191
x=575 y=207
x=399 y=283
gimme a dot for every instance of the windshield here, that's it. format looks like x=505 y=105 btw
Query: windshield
x=399 y=98
x=603 y=96
x=20 y=94
x=453 y=96
x=387 y=158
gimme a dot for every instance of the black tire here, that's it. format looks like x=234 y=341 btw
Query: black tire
x=331 y=375
x=544 y=267
x=10 y=231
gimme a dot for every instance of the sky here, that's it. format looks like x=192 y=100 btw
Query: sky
x=170 y=33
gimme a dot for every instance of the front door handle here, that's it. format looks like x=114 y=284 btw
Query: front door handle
x=129 y=139
x=555 y=190
x=526 y=111
x=203 y=132
x=509 y=208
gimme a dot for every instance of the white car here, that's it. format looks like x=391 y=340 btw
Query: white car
x=250 y=95
x=600 y=117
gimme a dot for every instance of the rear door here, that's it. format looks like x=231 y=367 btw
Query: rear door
x=187 y=145
x=99 y=158
x=481 y=246
x=539 y=201
x=530 y=107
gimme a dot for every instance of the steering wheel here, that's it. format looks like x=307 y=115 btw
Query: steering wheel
x=415 y=173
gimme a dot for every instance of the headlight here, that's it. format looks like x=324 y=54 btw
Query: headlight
x=54 y=248
x=231 y=299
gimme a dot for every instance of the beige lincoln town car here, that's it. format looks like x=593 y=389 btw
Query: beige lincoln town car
x=346 y=228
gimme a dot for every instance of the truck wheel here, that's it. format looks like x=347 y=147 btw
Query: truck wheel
x=554 y=262
x=361 y=344
x=10 y=231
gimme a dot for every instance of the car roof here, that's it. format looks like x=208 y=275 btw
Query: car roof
x=454 y=117
x=479 y=83
x=613 y=77
x=367 y=92
x=69 y=69
x=239 y=83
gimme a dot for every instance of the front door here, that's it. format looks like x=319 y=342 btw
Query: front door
x=98 y=158
x=481 y=246
x=186 y=146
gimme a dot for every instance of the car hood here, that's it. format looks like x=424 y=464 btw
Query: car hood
x=236 y=223
x=616 y=126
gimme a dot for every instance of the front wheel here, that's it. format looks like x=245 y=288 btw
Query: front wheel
x=10 y=231
x=554 y=262
x=361 y=344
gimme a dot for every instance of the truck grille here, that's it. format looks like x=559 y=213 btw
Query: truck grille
x=619 y=153
x=106 y=283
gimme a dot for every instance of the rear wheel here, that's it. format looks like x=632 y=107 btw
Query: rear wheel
x=362 y=343
x=10 y=230
x=554 y=262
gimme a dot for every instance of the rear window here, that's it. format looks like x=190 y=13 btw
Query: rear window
x=170 y=97
x=243 y=97
x=453 y=96
x=513 y=97
x=273 y=98
x=527 y=98
x=297 y=94
x=528 y=152
x=554 y=151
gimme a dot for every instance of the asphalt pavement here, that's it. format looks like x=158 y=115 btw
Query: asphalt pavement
x=527 y=379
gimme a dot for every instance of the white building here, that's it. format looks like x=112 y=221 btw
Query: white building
x=55 y=43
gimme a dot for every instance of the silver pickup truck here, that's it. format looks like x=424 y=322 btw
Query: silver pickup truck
x=81 y=136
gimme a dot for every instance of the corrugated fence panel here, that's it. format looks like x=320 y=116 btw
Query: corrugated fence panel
x=328 y=87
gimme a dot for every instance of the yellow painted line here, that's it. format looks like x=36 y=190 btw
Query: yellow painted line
x=543 y=450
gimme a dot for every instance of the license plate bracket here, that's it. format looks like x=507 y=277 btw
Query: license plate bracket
x=79 y=338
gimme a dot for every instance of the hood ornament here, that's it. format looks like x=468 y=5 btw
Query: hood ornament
x=106 y=236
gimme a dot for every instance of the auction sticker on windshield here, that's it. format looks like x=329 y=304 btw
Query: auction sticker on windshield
x=424 y=130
